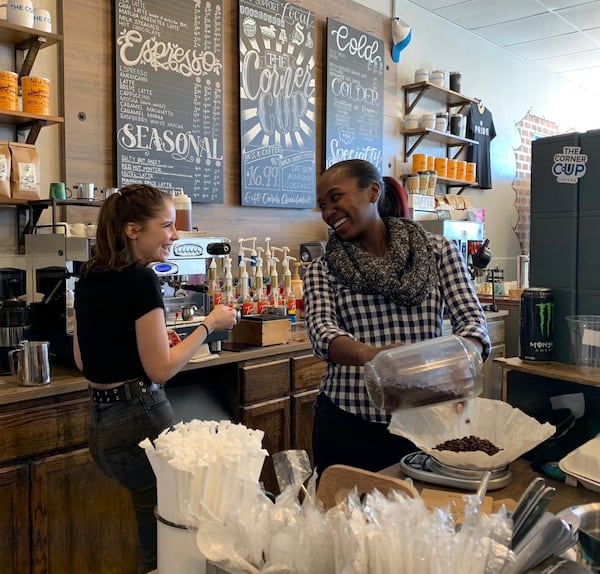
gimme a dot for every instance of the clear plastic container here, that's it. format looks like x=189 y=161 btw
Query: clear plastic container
x=441 y=370
x=585 y=342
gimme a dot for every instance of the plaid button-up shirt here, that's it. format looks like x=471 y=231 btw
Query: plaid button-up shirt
x=333 y=309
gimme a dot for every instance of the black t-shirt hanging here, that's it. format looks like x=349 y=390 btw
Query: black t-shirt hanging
x=480 y=127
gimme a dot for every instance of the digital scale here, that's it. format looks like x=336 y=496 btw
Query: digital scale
x=423 y=467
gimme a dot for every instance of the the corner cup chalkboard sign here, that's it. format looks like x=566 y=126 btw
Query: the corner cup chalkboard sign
x=169 y=88
x=277 y=104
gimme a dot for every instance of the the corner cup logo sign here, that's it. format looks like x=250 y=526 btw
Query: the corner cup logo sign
x=570 y=165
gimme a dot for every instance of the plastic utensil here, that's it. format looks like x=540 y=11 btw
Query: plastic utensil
x=216 y=544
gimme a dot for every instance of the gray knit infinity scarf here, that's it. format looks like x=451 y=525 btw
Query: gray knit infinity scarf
x=406 y=275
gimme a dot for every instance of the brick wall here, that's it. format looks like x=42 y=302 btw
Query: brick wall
x=529 y=128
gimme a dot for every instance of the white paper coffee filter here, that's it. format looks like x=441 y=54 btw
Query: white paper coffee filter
x=509 y=428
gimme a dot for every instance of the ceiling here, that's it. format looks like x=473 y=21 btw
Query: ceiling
x=561 y=35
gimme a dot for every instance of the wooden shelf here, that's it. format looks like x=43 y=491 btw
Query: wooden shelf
x=20 y=37
x=456 y=182
x=448 y=97
x=442 y=137
x=552 y=370
x=23 y=119
x=8 y=201
x=43 y=203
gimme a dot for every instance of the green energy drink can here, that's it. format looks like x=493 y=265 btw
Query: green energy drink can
x=537 y=324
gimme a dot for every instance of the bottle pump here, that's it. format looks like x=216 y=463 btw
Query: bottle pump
x=290 y=297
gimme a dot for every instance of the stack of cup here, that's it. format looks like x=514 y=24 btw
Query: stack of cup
x=412 y=183
x=423 y=182
x=432 y=182
x=470 y=172
x=441 y=166
x=451 y=169
x=419 y=162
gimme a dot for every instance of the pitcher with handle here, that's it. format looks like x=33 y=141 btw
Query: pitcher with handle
x=30 y=363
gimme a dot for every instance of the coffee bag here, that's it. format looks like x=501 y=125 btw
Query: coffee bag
x=25 y=172
x=4 y=169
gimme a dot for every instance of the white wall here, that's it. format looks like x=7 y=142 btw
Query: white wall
x=508 y=85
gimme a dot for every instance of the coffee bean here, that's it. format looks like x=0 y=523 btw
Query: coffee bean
x=469 y=444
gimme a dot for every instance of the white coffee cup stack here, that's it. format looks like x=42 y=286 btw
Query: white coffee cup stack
x=23 y=13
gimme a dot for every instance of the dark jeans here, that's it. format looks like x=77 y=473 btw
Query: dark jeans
x=115 y=432
x=340 y=437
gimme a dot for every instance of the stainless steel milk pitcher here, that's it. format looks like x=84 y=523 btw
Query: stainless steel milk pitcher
x=30 y=363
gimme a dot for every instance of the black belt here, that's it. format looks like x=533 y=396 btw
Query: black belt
x=124 y=393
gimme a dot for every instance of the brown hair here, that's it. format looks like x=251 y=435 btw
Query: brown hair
x=133 y=203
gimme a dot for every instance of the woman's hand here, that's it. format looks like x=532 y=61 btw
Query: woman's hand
x=221 y=318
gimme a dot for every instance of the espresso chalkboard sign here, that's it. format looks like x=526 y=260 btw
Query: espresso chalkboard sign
x=354 y=98
x=277 y=104
x=169 y=88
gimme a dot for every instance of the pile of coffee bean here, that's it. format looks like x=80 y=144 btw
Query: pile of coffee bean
x=469 y=444
x=398 y=398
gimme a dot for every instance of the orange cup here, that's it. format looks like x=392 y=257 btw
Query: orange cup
x=461 y=170
x=430 y=163
x=9 y=90
x=36 y=95
x=451 y=170
x=419 y=162
x=441 y=166
x=470 y=172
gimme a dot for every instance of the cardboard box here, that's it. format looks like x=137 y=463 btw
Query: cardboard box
x=262 y=330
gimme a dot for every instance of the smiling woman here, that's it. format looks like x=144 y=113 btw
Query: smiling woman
x=122 y=345
x=382 y=282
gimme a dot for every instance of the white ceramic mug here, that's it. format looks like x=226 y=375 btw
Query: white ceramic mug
x=42 y=20
x=78 y=230
x=19 y=12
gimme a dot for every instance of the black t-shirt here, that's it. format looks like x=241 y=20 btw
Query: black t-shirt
x=480 y=127
x=107 y=305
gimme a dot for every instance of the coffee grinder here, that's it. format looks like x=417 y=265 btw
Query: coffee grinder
x=14 y=314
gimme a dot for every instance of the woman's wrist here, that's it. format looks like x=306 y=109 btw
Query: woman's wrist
x=205 y=329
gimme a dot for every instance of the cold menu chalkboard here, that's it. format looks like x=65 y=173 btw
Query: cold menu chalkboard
x=354 y=104
x=169 y=88
x=277 y=104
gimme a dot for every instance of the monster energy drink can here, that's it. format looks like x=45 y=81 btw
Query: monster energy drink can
x=537 y=324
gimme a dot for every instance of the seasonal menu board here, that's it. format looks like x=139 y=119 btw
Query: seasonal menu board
x=169 y=94
x=354 y=97
x=277 y=104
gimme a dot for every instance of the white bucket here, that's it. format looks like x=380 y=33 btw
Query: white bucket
x=585 y=342
x=177 y=550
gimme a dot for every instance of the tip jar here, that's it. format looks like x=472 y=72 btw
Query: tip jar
x=440 y=370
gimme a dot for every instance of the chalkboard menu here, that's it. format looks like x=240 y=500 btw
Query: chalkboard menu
x=354 y=99
x=169 y=88
x=277 y=104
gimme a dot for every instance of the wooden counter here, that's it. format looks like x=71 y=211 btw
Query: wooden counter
x=68 y=380
x=522 y=475
x=551 y=370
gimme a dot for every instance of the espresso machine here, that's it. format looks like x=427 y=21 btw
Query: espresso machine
x=53 y=264
x=184 y=283
x=14 y=313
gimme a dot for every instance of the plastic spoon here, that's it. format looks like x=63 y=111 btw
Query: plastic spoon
x=216 y=544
